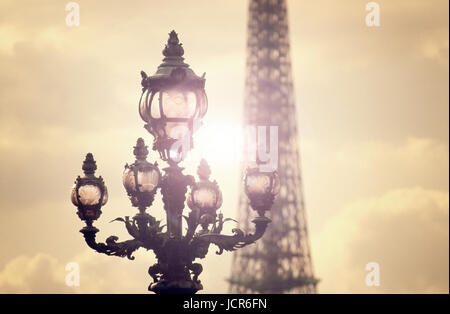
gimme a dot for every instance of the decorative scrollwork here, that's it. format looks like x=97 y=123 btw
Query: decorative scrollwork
x=112 y=247
x=239 y=239
x=176 y=251
x=122 y=249
x=196 y=270
x=155 y=271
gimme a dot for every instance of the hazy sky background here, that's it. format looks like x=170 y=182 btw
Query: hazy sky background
x=373 y=117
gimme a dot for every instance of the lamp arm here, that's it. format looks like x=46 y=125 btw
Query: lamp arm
x=239 y=239
x=111 y=247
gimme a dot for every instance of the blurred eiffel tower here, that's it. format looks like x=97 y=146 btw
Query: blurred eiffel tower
x=280 y=262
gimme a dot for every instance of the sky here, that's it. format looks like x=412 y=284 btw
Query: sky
x=372 y=112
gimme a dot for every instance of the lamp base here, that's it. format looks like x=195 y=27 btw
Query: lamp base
x=175 y=287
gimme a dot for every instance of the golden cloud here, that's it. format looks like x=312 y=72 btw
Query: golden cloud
x=405 y=231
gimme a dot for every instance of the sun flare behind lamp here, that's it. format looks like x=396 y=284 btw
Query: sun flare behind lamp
x=172 y=104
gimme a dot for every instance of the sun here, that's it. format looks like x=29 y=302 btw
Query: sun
x=219 y=143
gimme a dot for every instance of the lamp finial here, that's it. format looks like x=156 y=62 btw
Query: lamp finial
x=140 y=150
x=173 y=47
x=204 y=171
x=89 y=165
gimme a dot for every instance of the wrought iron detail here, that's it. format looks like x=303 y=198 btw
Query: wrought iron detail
x=176 y=270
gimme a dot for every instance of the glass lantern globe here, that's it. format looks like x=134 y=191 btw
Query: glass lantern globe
x=89 y=192
x=141 y=179
x=88 y=195
x=205 y=196
x=261 y=188
x=171 y=113
x=173 y=100
x=146 y=180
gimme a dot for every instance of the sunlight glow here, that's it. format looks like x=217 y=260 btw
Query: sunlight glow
x=219 y=143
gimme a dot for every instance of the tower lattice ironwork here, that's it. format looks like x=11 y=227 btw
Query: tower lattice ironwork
x=281 y=261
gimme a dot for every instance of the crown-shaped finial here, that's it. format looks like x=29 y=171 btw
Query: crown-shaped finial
x=173 y=47
x=89 y=165
x=203 y=170
x=140 y=150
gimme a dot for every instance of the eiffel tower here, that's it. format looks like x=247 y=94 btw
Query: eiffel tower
x=280 y=262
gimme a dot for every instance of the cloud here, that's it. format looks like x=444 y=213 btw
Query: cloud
x=38 y=274
x=406 y=231
x=44 y=273
x=415 y=160
x=360 y=169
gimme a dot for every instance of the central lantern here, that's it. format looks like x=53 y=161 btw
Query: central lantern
x=172 y=103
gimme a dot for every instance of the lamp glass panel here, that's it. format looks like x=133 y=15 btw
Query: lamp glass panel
x=153 y=101
x=179 y=104
x=143 y=107
x=128 y=180
x=258 y=183
x=205 y=198
x=73 y=195
x=202 y=103
x=105 y=196
x=89 y=194
x=147 y=180
x=219 y=200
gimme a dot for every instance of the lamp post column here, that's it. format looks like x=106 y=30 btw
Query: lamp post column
x=173 y=189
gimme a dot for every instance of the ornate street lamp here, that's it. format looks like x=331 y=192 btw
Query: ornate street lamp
x=261 y=188
x=171 y=102
x=89 y=193
x=141 y=178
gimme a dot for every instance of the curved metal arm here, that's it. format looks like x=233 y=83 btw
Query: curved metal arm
x=239 y=239
x=111 y=247
x=142 y=226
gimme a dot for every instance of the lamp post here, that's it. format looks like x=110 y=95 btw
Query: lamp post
x=172 y=102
